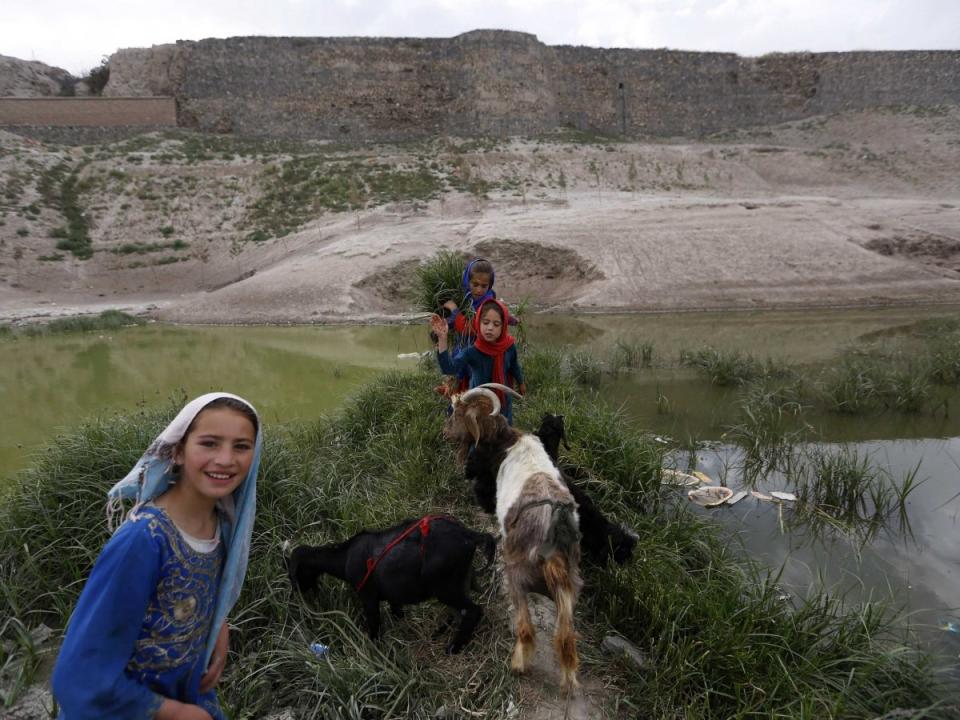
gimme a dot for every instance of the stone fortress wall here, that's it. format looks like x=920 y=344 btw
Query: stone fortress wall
x=491 y=82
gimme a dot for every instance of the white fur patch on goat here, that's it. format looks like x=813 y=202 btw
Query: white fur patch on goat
x=527 y=457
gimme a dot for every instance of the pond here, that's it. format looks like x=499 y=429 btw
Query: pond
x=290 y=373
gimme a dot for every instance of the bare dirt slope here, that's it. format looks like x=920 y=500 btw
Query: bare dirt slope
x=855 y=209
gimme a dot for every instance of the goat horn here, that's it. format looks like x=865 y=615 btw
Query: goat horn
x=498 y=386
x=473 y=392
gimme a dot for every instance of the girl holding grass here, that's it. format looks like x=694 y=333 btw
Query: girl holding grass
x=477 y=283
x=493 y=356
x=148 y=637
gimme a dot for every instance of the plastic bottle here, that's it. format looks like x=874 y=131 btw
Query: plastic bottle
x=319 y=649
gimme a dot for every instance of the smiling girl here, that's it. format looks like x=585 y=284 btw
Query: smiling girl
x=148 y=638
x=492 y=358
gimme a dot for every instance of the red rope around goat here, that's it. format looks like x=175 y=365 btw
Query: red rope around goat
x=423 y=524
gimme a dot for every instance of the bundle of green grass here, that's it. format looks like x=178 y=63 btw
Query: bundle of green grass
x=439 y=280
x=719 y=641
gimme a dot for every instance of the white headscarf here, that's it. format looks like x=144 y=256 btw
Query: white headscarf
x=153 y=474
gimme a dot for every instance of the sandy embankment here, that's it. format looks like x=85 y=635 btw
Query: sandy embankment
x=851 y=210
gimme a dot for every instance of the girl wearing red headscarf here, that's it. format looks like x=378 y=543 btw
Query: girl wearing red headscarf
x=492 y=358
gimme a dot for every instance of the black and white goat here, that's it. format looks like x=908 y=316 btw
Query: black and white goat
x=413 y=561
x=601 y=538
x=538 y=521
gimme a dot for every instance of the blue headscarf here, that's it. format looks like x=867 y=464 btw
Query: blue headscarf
x=465 y=282
x=153 y=474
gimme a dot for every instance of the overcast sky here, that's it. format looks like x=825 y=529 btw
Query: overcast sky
x=76 y=35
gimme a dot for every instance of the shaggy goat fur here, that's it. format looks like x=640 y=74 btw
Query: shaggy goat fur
x=438 y=565
x=538 y=520
x=601 y=538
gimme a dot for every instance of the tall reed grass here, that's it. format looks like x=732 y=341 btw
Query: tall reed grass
x=770 y=423
x=846 y=488
x=730 y=368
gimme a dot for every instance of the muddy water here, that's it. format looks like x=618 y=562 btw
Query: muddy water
x=299 y=372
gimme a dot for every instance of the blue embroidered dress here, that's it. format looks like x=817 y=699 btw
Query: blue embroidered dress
x=138 y=633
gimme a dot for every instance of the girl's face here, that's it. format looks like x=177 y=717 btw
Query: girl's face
x=479 y=284
x=216 y=456
x=491 y=325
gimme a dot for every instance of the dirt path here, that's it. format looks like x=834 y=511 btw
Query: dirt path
x=542 y=697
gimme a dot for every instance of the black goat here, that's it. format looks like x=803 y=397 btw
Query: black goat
x=404 y=565
x=601 y=538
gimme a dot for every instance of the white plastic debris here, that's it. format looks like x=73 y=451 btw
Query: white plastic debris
x=710 y=496
x=678 y=478
x=737 y=497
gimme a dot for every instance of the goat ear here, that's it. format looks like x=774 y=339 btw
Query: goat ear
x=470 y=420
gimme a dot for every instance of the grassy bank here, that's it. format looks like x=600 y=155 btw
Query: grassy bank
x=107 y=320
x=721 y=642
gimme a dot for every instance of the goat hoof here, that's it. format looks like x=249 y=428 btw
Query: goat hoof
x=518 y=666
x=453 y=648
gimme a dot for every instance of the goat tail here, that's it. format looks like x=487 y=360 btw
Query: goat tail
x=556 y=574
x=488 y=543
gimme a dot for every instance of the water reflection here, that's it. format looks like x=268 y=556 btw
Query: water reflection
x=299 y=372
x=917 y=568
x=288 y=373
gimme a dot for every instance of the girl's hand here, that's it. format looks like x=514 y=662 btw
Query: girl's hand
x=450 y=305
x=176 y=710
x=218 y=660
x=438 y=325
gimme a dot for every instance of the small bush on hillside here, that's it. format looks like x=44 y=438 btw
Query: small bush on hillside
x=98 y=77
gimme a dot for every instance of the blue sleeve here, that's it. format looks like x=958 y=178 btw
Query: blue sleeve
x=446 y=365
x=515 y=368
x=89 y=680
x=454 y=366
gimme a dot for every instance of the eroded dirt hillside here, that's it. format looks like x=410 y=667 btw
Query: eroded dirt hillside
x=853 y=209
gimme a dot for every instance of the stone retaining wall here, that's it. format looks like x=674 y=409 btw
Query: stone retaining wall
x=88 y=111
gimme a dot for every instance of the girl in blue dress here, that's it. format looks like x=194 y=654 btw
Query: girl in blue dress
x=148 y=637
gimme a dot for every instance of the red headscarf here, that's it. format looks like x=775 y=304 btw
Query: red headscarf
x=495 y=349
